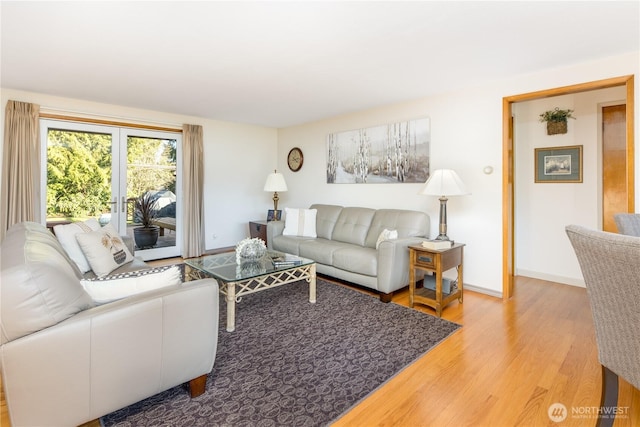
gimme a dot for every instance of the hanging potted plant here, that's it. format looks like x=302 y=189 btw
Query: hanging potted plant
x=556 y=120
x=146 y=236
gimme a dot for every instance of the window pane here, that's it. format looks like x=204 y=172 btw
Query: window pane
x=151 y=168
x=78 y=175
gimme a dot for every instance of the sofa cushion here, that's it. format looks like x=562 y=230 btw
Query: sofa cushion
x=300 y=222
x=117 y=286
x=407 y=223
x=320 y=250
x=357 y=260
x=289 y=244
x=353 y=225
x=326 y=219
x=66 y=234
x=39 y=285
x=104 y=250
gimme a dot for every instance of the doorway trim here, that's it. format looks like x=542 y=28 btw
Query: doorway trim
x=508 y=166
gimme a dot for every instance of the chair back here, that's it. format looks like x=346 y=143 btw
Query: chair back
x=628 y=223
x=610 y=265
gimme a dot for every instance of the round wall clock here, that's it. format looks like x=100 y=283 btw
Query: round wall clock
x=295 y=159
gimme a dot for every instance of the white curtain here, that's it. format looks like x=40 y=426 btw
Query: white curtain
x=193 y=181
x=20 y=165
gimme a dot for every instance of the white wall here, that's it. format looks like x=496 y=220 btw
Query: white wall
x=543 y=210
x=238 y=159
x=466 y=135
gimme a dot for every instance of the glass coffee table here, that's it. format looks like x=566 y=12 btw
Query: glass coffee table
x=236 y=280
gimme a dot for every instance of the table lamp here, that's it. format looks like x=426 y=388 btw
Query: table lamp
x=275 y=182
x=443 y=183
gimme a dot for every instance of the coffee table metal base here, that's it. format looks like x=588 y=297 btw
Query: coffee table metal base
x=234 y=291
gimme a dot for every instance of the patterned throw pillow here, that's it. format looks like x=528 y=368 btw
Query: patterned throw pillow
x=117 y=286
x=104 y=250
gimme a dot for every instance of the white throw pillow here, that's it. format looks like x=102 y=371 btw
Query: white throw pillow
x=118 y=286
x=386 y=235
x=300 y=222
x=104 y=250
x=66 y=235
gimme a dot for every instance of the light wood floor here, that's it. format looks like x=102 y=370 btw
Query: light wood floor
x=505 y=367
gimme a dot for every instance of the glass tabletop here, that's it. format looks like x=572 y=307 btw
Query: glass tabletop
x=224 y=266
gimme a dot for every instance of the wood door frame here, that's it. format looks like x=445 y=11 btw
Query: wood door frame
x=508 y=165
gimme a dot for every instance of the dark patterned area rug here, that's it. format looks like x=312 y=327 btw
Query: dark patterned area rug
x=292 y=363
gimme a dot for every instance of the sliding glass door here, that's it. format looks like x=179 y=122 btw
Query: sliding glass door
x=94 y=171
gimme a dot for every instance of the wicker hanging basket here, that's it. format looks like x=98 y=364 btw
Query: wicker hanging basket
x=555 y=128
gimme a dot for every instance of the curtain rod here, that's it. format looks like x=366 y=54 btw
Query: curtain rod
x=77 y=116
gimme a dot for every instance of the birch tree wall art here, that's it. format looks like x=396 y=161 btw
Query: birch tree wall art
x=392 y=153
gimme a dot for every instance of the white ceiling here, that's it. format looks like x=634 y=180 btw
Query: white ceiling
x=279 y=64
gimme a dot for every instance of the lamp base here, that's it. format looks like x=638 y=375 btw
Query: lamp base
x=443 y=219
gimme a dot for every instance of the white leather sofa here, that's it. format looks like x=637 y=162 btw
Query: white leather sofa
x=345 y=246
x=66 y=361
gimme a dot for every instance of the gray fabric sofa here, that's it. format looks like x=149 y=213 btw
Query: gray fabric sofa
x=345 y=246
x=66 y=361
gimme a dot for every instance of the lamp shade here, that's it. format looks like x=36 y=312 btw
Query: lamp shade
x=275 y=182
x=444 y=182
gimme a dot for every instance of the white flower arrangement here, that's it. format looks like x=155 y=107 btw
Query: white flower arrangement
x=250 y=250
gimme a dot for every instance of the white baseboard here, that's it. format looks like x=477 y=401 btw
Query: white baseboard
x=490 y=292
x=551 y=278
x=527 y=273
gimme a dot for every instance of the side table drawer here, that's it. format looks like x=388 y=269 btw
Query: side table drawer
x=425 y=260
x=258 y=229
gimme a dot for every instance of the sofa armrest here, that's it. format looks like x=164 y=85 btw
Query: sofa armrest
x=111 y=356
x=393 y=263
x=274 y=228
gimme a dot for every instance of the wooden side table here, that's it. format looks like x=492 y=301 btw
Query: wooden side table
x=258 y=229
x=437 y=262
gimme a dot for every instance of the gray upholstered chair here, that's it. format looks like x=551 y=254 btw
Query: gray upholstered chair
x=628 y=223
x=610 y=265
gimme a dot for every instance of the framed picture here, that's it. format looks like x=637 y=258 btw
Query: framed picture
x=274 y=215
x=391 y=153
x=559 y=164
